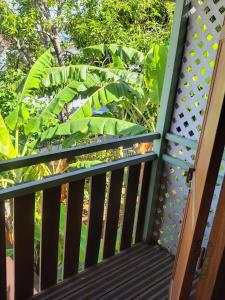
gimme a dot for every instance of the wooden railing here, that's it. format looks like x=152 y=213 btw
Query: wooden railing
x=24 y=195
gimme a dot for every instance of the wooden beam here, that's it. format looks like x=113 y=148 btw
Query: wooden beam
x=208 y=159
x=169 y=92
x=208 y=282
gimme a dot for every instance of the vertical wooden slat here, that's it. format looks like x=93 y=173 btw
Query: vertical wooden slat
x=2 y=252
x=113 y=211
x=130 y=206
x=49 y=237
x=73 y=228
x=96 y=209
x=143 y=202
x=24 y=246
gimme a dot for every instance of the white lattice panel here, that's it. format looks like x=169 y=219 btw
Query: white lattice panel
x=192 y=94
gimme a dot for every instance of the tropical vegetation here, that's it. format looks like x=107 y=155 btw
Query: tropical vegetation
x=72 y=72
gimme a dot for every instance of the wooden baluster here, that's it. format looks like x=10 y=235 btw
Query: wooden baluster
x=143 y=202
x=96 y=209
x=24 y=246
x=130 y=206
x=73 y=228
x=2 y=252
x=113 y=211
x=49 y=237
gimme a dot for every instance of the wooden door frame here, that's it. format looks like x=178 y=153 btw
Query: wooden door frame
x=209 y=285
x=207 y=164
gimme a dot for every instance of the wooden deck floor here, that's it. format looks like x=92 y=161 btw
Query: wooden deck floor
x=142 y=272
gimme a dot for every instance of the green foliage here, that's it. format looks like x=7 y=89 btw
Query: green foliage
x=77 y=129
x=37 y=72
x=127 y=55
x=84 y=164
x=7 y=149
x=129 y=83
x=9 y=83
x=155 y=71
x=139 y=24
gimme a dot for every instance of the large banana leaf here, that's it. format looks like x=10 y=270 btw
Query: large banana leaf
x=34 y=78
x=76 y=129
x=17 y=117
x=7 y=149
x=55 y=107
x=155 y=66
x=57 y=76
x=103 y=96
x=128 y=55
x=60 y=75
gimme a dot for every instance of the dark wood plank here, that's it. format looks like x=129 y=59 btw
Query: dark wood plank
x=85 y=278
x=49 y=237
x=115 y=278
x=24 y=246
x=2 y=252
x=113 y=210
x=95 y=219
x=143 y=202
x=73 y=228
x=130 y=206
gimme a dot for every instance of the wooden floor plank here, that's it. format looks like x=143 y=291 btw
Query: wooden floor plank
x=133 y=271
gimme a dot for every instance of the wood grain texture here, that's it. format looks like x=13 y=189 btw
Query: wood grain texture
x=95 y=219
x=73 y=228
x=2 y=252
x=49 y=237
x=24 y=246
x=113 y=211
x=210 y=280
x=207 y=166
x=130 y=206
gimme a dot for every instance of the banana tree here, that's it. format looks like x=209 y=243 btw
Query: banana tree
x=21 y=134
x=135 y=80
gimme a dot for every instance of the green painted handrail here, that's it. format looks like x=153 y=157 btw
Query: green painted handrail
x=56 y=180
x=21 y=162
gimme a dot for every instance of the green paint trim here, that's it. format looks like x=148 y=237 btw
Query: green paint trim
x=166 y=108
x=21 y=162
x=182 y=141
x=177 y=162
x=57 y=180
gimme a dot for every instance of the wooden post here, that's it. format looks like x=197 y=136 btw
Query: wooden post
x=209 y=155
x=167 y=100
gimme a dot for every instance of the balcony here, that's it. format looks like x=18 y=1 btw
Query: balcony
x=118 y=261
